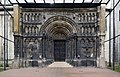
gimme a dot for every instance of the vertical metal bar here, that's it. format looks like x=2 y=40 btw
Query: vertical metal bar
x=44 y=1
x=54 y=1
x=83 y=1
x=4 y=36
x=73 y=1
x=92 y=1
x=110 y=40
x=113 y=36
x=34 y=1
x=119 y=15
x=63 y=1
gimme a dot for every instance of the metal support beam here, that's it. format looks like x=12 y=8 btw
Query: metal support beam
x=108 y=1
x=10 y=2
x=17 y=1
x=26 y=1
x=63 y=1
x=5 y=9
x=83 y=1
x=110 y=40
x=44 y=1
x=92 y=1
x=34 y=1
x=4 y=36
x=114 y=36
x=6 y=39
x=113 y=8
x=59 y=5
x=73 y=1
x=54 y=1
x=100 y=1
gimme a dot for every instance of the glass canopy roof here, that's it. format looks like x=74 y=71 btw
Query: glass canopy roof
x=11 y=2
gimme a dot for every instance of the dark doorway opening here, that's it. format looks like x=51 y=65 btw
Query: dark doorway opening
x=59 y=50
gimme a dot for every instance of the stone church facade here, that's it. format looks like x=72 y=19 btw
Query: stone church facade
x=74 y=35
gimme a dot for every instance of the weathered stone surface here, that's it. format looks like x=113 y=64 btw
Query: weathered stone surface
x=16 y=19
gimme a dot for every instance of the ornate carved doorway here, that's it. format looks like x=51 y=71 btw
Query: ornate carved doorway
x=59 y=50
x=61 y=39
x=59 y=29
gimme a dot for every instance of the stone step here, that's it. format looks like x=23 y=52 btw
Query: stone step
x=60 y=64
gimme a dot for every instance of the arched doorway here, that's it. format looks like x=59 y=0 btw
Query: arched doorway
x=59 y=50
x=59 y=36
x=60 y=29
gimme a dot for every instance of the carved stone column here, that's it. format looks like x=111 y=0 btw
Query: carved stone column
x=101 y=59
x=101 y=34
x=43 y=46
x=16 y=10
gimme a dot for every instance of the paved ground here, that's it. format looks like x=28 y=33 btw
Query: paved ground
x=59 y=69
x=60 y=64
x=59 y=72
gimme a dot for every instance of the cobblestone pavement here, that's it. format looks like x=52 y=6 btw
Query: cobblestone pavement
x=59 y=72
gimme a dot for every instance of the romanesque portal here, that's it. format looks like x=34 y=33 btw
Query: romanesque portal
x=58 y=34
